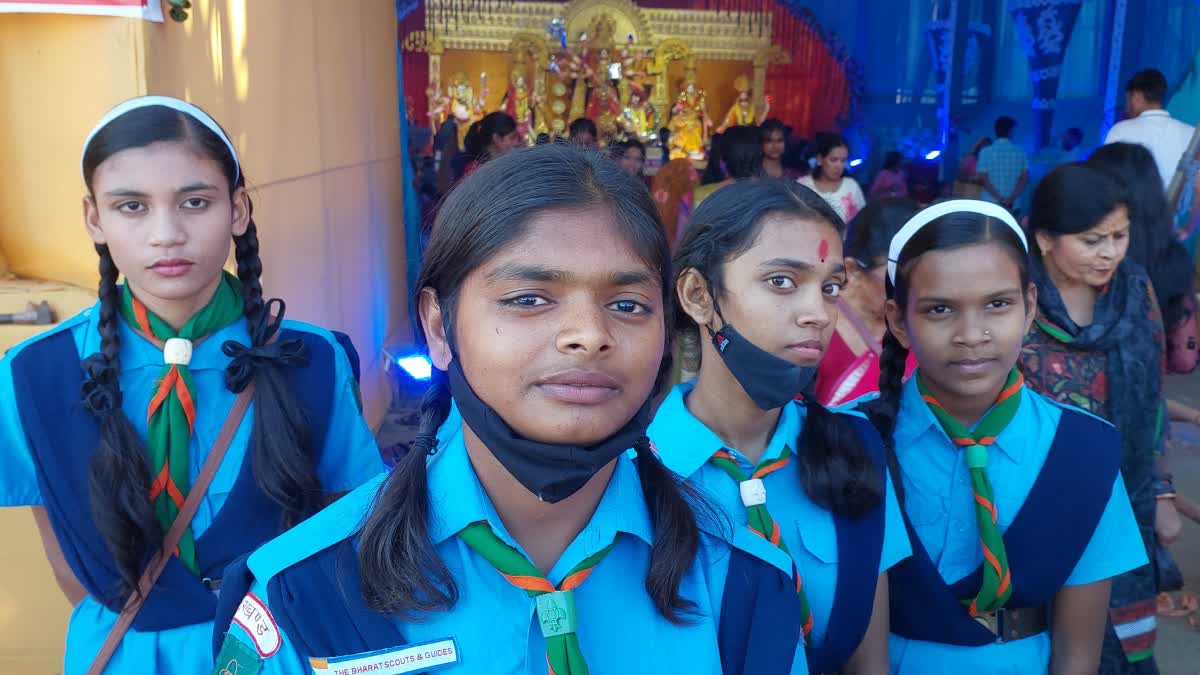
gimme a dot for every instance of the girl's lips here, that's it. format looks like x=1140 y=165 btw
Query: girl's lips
x=173 y=267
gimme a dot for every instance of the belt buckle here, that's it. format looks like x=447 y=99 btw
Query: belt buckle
x=994 y=622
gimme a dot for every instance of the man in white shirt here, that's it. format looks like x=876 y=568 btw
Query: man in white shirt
x=1149 y=125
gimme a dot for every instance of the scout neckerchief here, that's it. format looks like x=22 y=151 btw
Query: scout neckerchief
x=171 y=417
x=754 y=497
x=997 y=578
x=555 y=606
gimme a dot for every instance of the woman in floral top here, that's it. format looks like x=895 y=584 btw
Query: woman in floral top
x=1097 y=343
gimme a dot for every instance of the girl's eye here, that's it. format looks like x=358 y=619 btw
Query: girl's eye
x=938 y=310
x=629 y=307
x=131 y=207
x=527 y=301
x=832 y=289
x=999 y=304
x=195 y=203
x=781 y=282
x=1091 y=242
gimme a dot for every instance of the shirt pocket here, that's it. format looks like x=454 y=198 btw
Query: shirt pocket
x=818 y=539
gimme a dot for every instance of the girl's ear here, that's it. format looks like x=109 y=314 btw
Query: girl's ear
x=241 y=211
x=895 y=322
x=430 y=311
x=91 y=220
x=1031 y=299
x=694 y=298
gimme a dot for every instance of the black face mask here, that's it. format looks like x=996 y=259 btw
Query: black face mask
x=550 y=471
x=771 y=382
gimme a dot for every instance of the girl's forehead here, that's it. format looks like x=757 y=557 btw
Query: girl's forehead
x=174 y=163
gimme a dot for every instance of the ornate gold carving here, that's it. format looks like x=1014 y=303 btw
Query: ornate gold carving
x=763 y=58
x=422 y=41
x=709 y=34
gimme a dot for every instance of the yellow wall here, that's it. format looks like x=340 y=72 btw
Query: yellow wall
x=307 y=90
x=58 y=74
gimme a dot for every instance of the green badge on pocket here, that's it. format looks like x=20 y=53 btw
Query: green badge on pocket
x=237 y=658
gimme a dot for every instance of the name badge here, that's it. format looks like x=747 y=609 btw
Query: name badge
x=425 y=656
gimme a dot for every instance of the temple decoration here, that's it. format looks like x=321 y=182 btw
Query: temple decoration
x=689 y=123
x=630 y=68
x=743 y=110
x=463 y=104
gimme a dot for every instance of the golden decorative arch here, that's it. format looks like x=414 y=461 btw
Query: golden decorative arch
x=424 y=41
x=665 y=52
x=621 y=17
x=763 y=58
x=530 y=49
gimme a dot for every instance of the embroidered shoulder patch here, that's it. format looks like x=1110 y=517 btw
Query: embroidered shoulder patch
x=236 y=658
x=423 y=657
x=254 y=618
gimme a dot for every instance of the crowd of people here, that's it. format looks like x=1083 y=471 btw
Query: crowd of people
x=738 y=420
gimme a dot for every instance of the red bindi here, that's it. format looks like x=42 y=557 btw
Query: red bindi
x=823 y=250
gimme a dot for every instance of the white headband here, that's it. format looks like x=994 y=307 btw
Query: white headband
x=936 y=211
x=167 y=102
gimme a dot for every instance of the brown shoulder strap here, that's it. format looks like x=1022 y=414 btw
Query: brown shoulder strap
x=159 y=562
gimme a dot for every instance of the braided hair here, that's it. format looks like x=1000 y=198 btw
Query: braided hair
x=280 y=450
x=401 y=572
x=954 y=230
x=835 y=469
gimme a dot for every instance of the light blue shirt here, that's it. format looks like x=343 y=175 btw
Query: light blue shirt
x=941 y=507
x=493 y=624
x=349 y=458
x=1003 y=161
x=686 y=444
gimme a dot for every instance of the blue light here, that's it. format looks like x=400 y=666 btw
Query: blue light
x=933 y=154
x=417 y=367
x=855 y=162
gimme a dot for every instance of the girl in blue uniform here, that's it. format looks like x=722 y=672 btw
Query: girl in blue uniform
x=758 y=273
x=520 y=535
x=1018 y=514
x=106 y=420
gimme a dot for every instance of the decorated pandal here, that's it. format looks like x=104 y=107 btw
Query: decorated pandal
x=630 y=69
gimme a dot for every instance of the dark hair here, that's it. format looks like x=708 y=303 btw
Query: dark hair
x=280 y=446
x=714 y=170
x=1150 y=83
x=542 y=139
x=1075 y=133
x=401 y=571
x=770 y=126
x=870 y=232
x=480 y=135
x=581 y=126
x=951 y=231
x=825 y=143
x=664 y=137
x=632 y=143
x=892 y=160
x=742 y=152
x=835 y=469
x=1073 y=198
x=1004 y=126
x=1152 y=243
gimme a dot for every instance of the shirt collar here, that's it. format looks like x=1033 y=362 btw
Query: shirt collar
x=138 y=352
x=914 y=419
x=685 y=443
x=458 y=498
x=1157 y=112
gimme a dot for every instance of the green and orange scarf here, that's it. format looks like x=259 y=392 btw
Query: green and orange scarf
x=171 y=417
x=555 y=606
x=997 y=577
x=760 y=520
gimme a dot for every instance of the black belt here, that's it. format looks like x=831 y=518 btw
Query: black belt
x=213 y=585
x=1015 y=624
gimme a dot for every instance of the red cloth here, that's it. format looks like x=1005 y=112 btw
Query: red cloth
x=843 y=377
